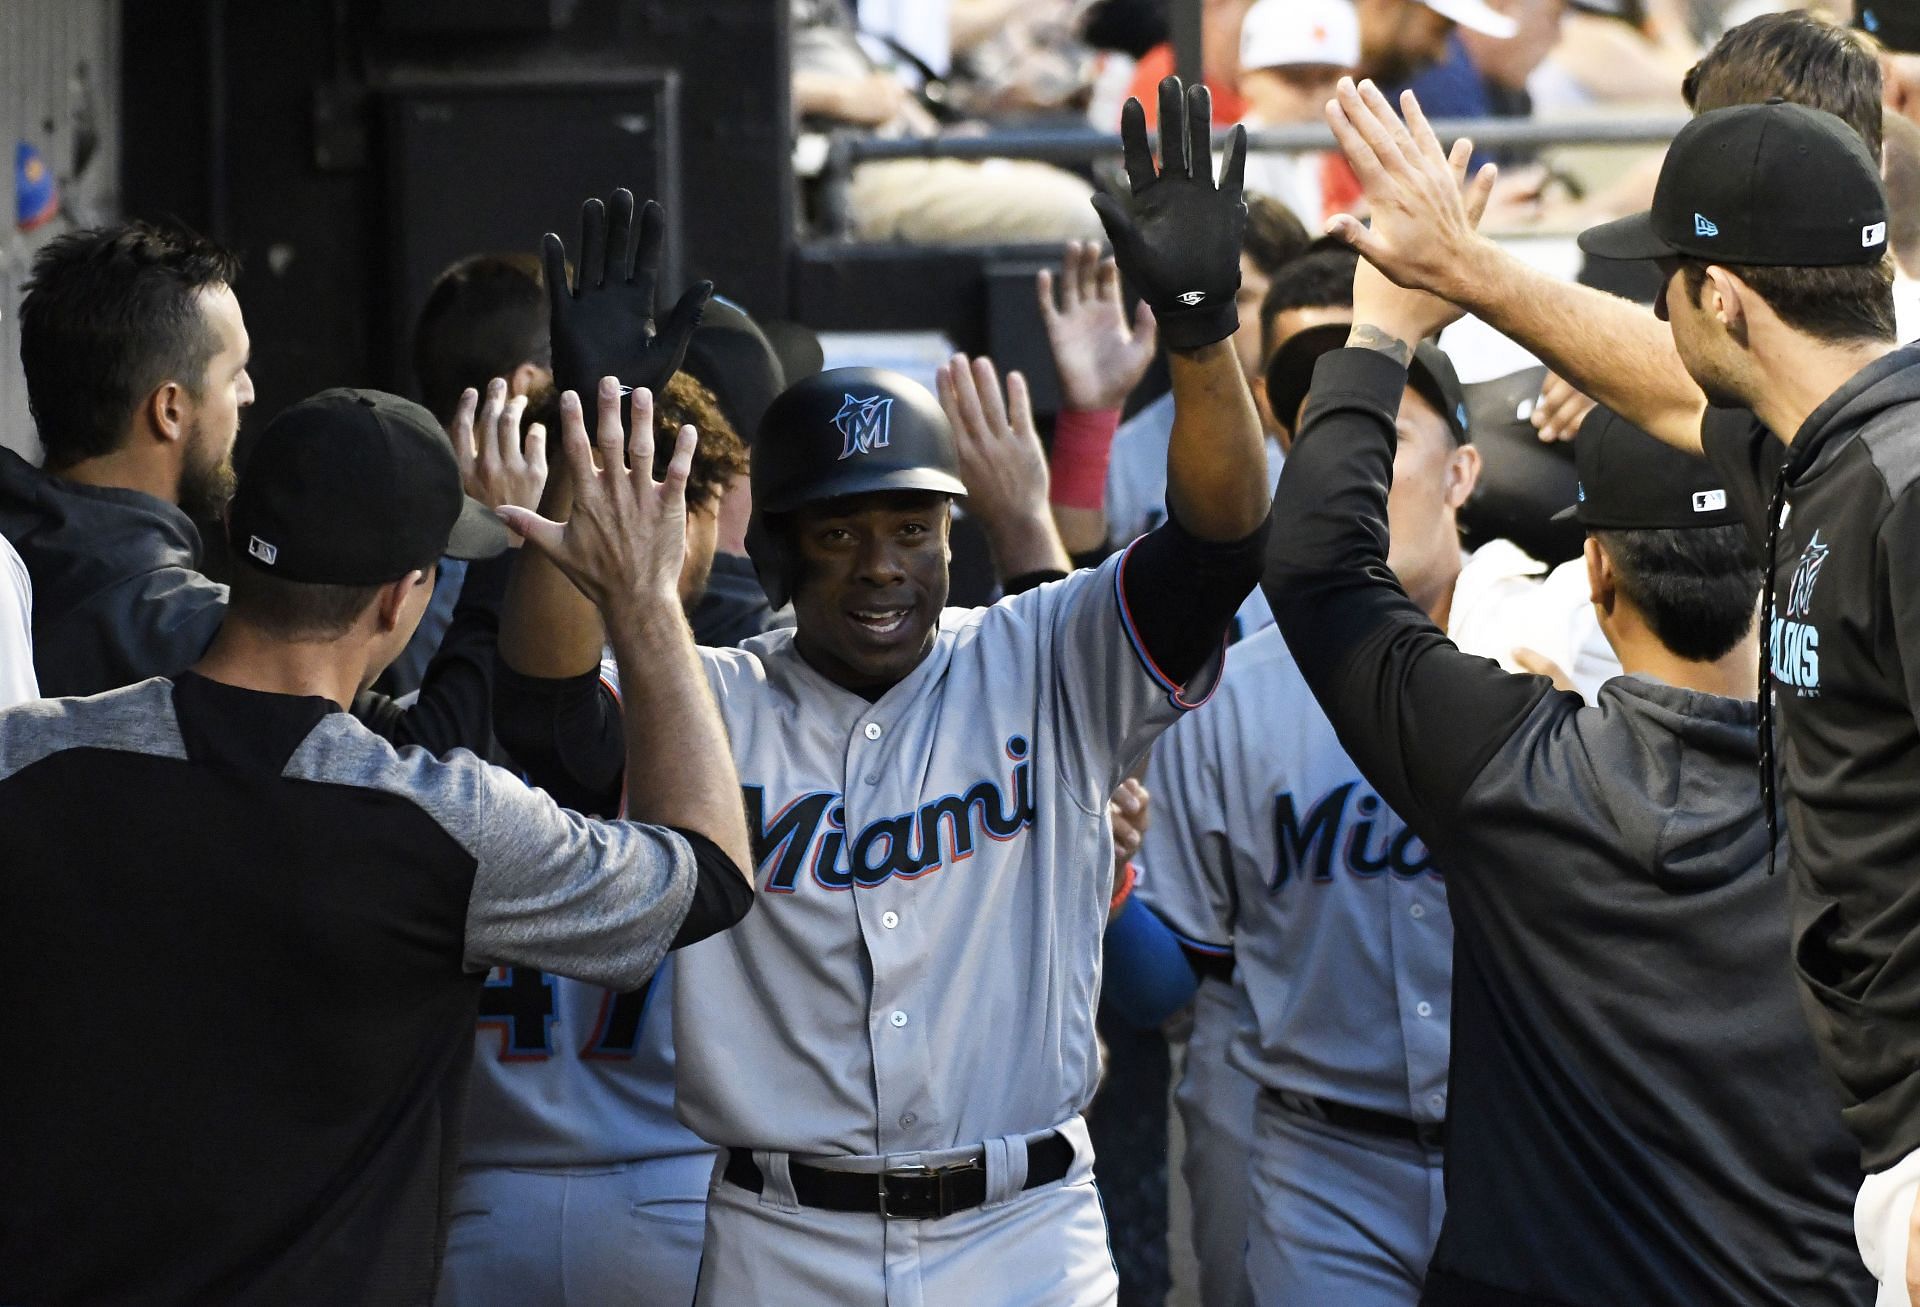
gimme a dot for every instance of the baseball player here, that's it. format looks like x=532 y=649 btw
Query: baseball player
x=577 y=1185
x=895 y=1061
x=1272 y=855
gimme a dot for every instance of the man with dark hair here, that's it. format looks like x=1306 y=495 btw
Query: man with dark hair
x=1802 y=58
x=1312 y=290
x=135 y=356
x=485 y=317
x=1770 y=230
x=287 y=920
x=137 y=324
x=1636 y=1110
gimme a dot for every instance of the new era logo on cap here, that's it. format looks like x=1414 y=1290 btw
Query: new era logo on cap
x=1709 y=501
x=1701 y=227
x=263 y=551
x=1874 y=233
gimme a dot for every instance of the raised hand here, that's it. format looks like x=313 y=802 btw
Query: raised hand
x=1002 y=464
x=627 y=537
x=1177 y=236
x=1099 y=355
x=1561 y=409
x=1128 y=812
x=604 y=326
x=1409 y=313
x=498 y=466
x=1422 y=216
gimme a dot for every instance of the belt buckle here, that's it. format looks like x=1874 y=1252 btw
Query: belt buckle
x=925 y=1194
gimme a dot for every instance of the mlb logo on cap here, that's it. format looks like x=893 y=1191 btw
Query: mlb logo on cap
x=1709 y=501
x=263 y=551
x=1874 y=233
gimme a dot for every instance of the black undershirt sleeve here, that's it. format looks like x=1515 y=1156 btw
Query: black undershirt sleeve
x=454 y=709
x=566 y=734
x=721 y=895
x=1418 y=717
x=1026 y=581
x=1182 y=592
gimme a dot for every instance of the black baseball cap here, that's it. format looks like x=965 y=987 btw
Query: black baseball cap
x=1893 y=23
x=1431 y=374
x=1523 y=479
x=355 y=487
x=1631 y=481
x=1774 y=185
x=731 y=356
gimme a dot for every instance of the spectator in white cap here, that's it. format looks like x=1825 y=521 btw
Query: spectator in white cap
x=1398 y=38
x=1292 y=53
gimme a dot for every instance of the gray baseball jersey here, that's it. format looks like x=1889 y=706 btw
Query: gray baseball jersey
x=571 y=1142
x=1267 y=842
x=570 y=1074
x=1137 y=492
x=921 y=968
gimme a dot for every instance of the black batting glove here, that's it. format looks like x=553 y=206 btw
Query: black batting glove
x=604 y=326
x=1177 y=236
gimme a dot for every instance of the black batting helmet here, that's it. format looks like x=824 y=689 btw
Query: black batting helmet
x=850 y=431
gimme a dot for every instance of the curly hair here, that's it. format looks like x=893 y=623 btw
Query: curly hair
x=719 y=457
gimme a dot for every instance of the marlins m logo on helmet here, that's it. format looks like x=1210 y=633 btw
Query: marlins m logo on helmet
x=864 y=424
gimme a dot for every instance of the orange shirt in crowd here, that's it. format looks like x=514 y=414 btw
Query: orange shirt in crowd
x=1158 y=63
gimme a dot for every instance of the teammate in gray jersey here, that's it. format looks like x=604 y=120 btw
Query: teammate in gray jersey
x=895 y=1061
x=577 y=1185
x=1271 y=850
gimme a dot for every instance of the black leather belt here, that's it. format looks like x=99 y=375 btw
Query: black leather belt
x=912 y=1193
x=1363 y=1120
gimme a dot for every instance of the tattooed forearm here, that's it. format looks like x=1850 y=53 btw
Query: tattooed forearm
x=1364 y=336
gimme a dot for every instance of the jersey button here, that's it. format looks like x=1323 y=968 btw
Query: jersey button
x=907 y=1119
x=873 y=731
x=898 y=1019
x=889 y=919
x=1417 y=911
x=1424 y=1009
x=1438 y=1102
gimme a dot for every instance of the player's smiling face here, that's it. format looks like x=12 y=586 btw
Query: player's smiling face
x=873 y=580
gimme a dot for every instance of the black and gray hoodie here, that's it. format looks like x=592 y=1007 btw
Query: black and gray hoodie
x=1637 y=1113
x=1839 y=520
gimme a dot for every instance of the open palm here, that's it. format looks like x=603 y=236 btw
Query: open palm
x=1098 y=353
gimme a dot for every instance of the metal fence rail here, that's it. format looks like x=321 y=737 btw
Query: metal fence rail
x=1071 y=145
x=1074 y=146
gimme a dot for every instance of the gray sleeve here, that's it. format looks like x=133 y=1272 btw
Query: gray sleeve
x=1110 y=699
x=1186 y=860
x=599 y=901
